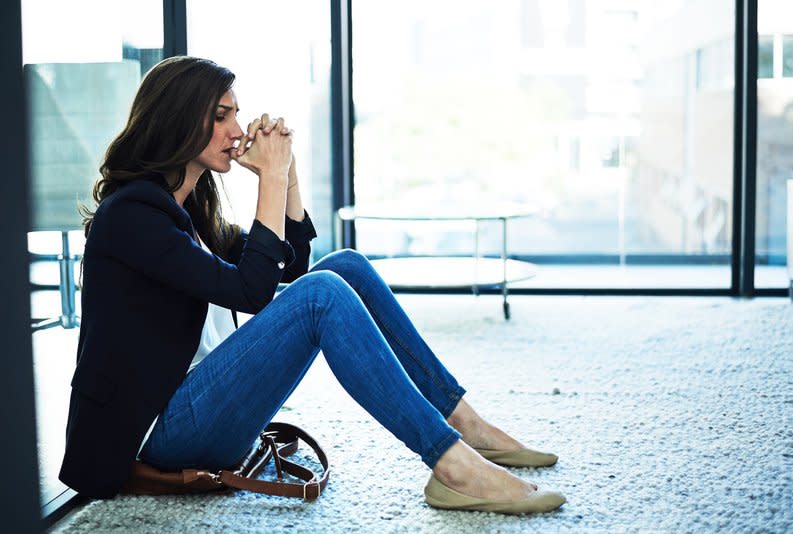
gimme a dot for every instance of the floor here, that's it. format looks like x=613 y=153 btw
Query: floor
x=668 y=414
x=54 y=349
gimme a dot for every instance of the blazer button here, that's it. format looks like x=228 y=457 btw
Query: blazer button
x=281 y=265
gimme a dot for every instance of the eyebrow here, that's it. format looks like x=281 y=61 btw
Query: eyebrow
x=227 y=108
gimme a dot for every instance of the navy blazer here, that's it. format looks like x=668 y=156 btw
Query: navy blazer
x=146 y=284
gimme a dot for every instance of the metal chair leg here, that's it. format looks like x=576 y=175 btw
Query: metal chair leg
x=67 y=287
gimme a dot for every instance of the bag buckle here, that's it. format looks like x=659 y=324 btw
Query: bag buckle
x=312 y=484
x=214 y=477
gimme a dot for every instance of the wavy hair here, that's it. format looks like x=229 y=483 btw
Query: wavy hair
x=170 y=123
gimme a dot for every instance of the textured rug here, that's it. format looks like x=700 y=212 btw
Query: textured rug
x=668 y=414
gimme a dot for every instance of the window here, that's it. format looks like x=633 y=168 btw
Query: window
x=287 y=75
x=774 y=144
x=715 y=68
x=608 y=138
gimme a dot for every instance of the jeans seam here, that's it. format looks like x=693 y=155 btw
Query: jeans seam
x=435 y=450
x=239 y=355
x=435 y=379
x=453 y=395
x=454 y=399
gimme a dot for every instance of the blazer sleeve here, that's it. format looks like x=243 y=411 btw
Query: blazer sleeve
x=147 y=239
x=299 y=236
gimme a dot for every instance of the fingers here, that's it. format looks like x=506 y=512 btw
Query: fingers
x=277 y=125
x=282 y=129
x=259 y=123
x=270 y=125
x=264 y=125
x=253 y=126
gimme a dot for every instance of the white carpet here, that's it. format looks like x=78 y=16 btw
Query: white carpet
x=668 y=414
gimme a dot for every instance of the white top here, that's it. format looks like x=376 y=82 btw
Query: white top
x=218 y=325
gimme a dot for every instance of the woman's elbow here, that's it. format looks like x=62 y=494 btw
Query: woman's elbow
x=254 y=303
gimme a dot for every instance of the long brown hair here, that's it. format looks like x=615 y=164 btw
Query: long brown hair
x=169 y=125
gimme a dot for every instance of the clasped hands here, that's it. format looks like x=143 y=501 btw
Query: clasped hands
x=269 y=156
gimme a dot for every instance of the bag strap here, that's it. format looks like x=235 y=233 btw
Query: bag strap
x=244 y=477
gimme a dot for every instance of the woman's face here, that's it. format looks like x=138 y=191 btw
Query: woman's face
x=225 y=133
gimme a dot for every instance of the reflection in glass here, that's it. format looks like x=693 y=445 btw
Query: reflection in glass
x=774 y=144
x=597 y=114
x=765 y=56
x=82 y=62
x=787 y=56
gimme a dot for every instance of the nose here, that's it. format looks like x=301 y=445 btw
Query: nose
x=236 y=132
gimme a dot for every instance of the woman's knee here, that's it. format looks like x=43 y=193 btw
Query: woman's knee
x=344 y=257
x=351 y=255
x=323 y=282
x=346 y=262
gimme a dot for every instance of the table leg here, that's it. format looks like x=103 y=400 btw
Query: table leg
x=504 y=289
x=475 y=287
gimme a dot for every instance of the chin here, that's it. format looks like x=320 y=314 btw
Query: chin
x=221 y=168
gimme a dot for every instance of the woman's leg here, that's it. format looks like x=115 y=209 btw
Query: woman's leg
x=422 y=365
x=216 y=413
x=420 y=362
x=218 y=410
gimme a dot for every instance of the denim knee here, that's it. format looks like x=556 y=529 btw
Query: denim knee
x=352 y=256
x=322 y=287
x=350 y=264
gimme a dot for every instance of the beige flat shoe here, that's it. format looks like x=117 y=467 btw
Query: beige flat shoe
x=439 y=495
x=519 y=457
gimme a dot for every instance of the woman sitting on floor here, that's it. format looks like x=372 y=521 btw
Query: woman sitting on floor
x=158 y=251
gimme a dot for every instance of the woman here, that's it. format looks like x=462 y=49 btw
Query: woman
x=148 y=275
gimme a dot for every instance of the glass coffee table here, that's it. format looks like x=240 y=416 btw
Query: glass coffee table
x=431 y=272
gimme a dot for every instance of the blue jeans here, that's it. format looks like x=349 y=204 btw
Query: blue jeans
x=343 y=308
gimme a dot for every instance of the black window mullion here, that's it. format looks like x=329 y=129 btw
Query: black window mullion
x=737 y=151
x=342 y=116
x=749 y=149
x=744 y=148
x=174 y=21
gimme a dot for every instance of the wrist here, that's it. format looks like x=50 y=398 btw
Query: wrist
x=269 y=176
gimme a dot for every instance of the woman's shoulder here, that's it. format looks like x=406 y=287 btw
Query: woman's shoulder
x=140 y=195
x=137 y=200
x=143 y=191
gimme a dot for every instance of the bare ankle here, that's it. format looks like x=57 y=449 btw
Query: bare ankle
x=464 y=470
x=465 y=420
x=454 y=466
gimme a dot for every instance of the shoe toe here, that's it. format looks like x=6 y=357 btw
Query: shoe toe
x=547 y=500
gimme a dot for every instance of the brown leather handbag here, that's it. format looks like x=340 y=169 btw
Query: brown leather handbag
x=275 y=442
